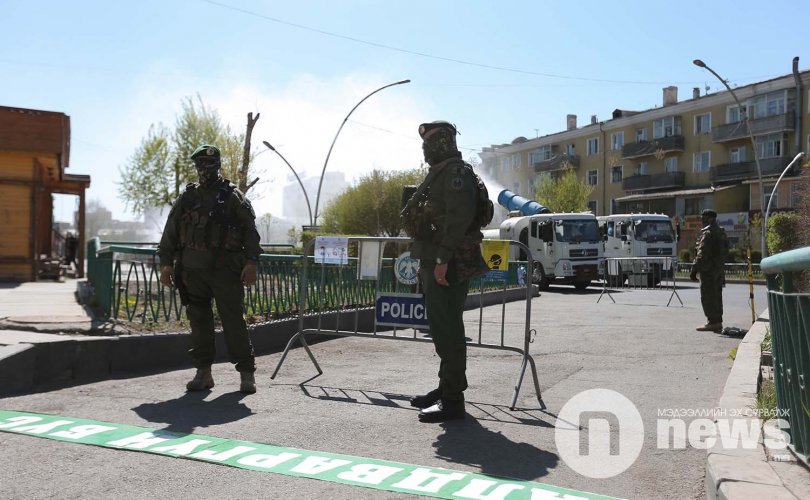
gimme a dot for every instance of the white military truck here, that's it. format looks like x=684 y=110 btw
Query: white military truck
x=644 y=237
x=566 y=247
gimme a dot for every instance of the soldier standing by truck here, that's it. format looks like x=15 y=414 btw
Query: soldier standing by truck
x=712 y=249
x=210 y=250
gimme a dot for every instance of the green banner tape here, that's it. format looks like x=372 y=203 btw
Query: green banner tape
x=343 y=469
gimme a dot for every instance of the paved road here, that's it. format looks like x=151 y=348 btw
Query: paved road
x=638 y=347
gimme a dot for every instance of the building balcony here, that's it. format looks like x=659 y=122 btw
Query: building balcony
x=767 y=125
x=557 y=162
x=747 y=170
x=654 y=147
x=656 y=181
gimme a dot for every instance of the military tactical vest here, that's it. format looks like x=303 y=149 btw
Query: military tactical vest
x=209 y=222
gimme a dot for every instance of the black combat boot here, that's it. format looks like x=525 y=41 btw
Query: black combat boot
x=427 y=400
x=443 y=411
x=248 y=385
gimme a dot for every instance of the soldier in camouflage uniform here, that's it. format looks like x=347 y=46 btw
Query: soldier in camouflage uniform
x=210 y=250
x=443 y=228
x=709 y=264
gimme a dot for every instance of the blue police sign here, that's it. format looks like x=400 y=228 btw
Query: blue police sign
x=401 y=309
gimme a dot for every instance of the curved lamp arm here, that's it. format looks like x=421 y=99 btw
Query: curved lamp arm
x=271 y=148
x=329 y=153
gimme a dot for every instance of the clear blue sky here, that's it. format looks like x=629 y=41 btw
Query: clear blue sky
x=497 y=69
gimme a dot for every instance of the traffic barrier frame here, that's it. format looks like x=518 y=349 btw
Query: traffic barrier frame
x=526 y=358
x=646 y=273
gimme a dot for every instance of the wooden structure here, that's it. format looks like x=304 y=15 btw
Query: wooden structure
x=34 y=154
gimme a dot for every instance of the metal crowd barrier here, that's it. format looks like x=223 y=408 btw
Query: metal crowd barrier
x=399 y=244
x=789 y=310
x=640 y=273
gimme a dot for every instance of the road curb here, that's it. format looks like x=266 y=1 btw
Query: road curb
x=736 y=473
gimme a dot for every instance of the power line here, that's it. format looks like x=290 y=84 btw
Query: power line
x=432 y=56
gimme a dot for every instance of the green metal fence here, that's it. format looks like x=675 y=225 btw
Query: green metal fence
x=789 y=312
x=126 y=285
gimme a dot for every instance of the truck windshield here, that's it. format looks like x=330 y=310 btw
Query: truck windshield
x=577 y=231
x=653 y=231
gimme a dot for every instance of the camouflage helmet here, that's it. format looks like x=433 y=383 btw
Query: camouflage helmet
x=438 y=141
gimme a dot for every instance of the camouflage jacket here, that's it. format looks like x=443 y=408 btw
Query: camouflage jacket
x=712 y=248
x=210 y=226
x=448 y=212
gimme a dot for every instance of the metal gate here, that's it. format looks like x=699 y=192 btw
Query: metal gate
x=329 y=256
x=646 y=273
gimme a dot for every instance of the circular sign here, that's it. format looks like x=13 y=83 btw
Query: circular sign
x=405 y=269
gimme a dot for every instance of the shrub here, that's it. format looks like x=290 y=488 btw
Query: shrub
x=685 y=255
x=782 y=233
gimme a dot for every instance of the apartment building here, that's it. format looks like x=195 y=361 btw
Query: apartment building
x=678 y=158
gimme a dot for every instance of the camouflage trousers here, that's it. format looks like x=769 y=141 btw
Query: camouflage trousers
x=711 y=296
x=445 y=309
x=223 y=286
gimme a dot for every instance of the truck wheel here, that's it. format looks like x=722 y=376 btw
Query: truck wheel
x=581 y=285
x=539 y=277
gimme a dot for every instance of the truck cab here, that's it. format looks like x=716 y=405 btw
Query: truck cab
x=566 y=247
x=638 y=236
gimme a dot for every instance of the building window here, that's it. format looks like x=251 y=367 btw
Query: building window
x=616 y=174
x=693 y=206
x=671 y=164
x=703 y=123
x=593 y=177
x=701 y=161
x=593 y=146
x=542 y=153
x=641 y=168
x=769 y=104
x=505 y=163
x=617 y=140
x=667 y=127
x=795 y=195
x=769 y=146
x=736 y=155
x=735 y=114
x=592 y=206
x=570 y=149
x=516 y=161
x=532 y=189
x=770 y=192
x=641 y=134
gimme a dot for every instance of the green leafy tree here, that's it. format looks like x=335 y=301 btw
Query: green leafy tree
x=159 y=168
x=564 y=193
x=371 y=207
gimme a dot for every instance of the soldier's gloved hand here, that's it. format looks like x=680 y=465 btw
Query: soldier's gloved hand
x=693 y=275
x=250 y=273
x=440 y=274
x=166 y=275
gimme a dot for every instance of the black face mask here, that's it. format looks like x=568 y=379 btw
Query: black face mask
x=208 y=175
x=439 y=146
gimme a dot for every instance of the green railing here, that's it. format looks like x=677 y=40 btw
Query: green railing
x=735 y=271
x=126 y=285
x=789 y=312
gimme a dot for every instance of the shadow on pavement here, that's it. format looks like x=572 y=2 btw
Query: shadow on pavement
x=191 y=411
x=468 y=442
x=479 y=411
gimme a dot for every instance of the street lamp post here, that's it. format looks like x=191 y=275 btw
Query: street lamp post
x=303 y=189
x=744 y=122
x=329 y=153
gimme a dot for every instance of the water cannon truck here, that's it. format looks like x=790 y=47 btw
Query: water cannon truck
x=566 y=247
